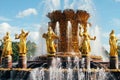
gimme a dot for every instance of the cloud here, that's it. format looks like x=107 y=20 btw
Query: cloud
x=27 y=12
x=6 y=27
x=56 y=3
x=4 y=19
x=117 y=0
x=66 y=4
x=87 y=5
x=36 y=26
x=118 y=36
x=50 y=5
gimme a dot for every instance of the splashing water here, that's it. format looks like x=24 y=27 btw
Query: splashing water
x=57 y=31
x=71 y=72
x=76 y=62
x=55 y=71
x=97 y=45
x=37 y=74
x=69 y=34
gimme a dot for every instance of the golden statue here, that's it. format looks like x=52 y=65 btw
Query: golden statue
x=85 y=47
x=7 y=45
x=113 y=44
x=50 y=36
x=22 y=43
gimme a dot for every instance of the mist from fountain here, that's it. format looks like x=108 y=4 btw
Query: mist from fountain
x=41 y=46
x=97 y=45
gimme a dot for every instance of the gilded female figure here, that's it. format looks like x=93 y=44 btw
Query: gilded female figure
x=113 y=44
x=50 y=36
x=7 y=45
x=85 y=47
x=22 y=43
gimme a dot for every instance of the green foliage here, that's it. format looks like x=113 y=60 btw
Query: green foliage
x=31 y=47
x=119 y=49
x=15 y=49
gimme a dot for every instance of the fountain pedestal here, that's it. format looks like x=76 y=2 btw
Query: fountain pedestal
x=22 y=63
x=0 y=56
x=49 y=61
x=113 y=62
x=3 y=61
x=8 y=61
x=51 y=54
x=86 y=61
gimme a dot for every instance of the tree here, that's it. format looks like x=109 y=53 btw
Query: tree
x=15 y=50
x=31 y=47
x=119 y=49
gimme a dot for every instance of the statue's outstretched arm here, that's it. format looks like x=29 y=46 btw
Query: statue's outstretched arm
x=55 y=36
x=94 y=38
x=44 y=35
x=26 y=34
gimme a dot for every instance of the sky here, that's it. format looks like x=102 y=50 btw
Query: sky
x=30 y=15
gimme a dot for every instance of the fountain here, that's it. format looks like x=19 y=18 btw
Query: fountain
x=67 y=58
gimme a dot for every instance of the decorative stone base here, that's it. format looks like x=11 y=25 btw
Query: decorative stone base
x=0 y=56
x=113 y=62
x=0 y=61
x=51 y=55
x=49 y=61
x=86 y=60
x=3 y=61
x=8 y=61
x=22 y=63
